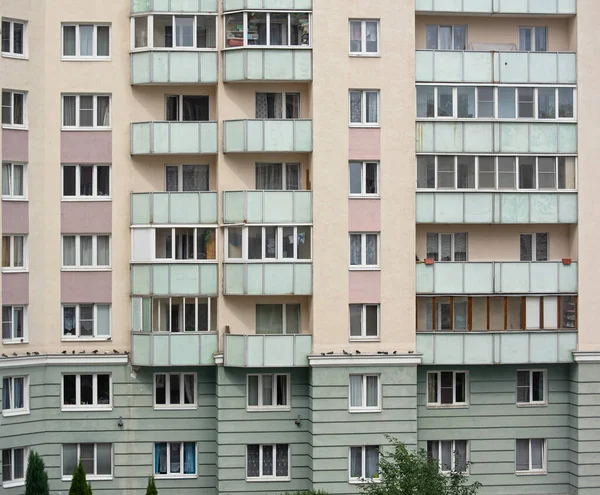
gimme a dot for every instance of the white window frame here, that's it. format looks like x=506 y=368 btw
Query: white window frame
x=180 y=108
x=78 y=56
x=179 y=167
x=77 y=125
x=137 y=305
x=181 y=405
x=531 y=471
x=261 y=406
x=25 y=254
x=453 y=455
x=363 y=179
x=452 y=245
x=284 y=95
x=284 y=175
x=268 y=31
x=279 y=258
x=532 y=402
x=21 y=410
x=363 y=108
x=533 y=236
x=89 y=476
x=271 y=477
x=11 y=53
x=363 y=38
x=94 y=266
x=362 y=478
x=181 y=474
x=453 y=27
x=78 y=196
x=78 y=406
x=19 y=481
x=153 y=240
x=363 y=255
x=363 y=322
x=532 y=35
x=284 y=317
x=454 y=403
x=77 y=335
x=11 y=196
x=363 y=407
x=13 y=339
x=12 y=124
x=150 y=33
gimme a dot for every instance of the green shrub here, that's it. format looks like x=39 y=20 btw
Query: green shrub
x=79 y=485
x=36 y=479
x=151 y=490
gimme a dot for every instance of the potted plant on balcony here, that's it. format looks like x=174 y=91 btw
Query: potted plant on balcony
x=566 y=261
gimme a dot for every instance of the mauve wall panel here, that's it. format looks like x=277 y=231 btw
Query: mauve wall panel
x=86 y=287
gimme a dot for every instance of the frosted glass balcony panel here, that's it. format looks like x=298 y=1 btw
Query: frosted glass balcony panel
x=269 y=135
x=174 y=349
x=269 y=279
x=173 y=6
x=267 y=207
x=266 y=351
x=267 y=5
x=172 y=138
x=174 y=208
x=267 y=65
x=173 y=67
x=174 y=279
x=538 y=7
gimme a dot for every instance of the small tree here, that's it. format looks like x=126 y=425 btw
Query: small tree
x=36 y=479
x=404 y=472
x=151 y=490
x=79 y=485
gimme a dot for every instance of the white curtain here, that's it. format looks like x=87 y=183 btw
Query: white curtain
x=6 y=179
x=269 y=105
x=86 y=40
x=267 y=390
x=18 y=251
x=372 y=107
x=253 y=456
x=195 y=177
x=355 y=107
x=85 y=248
x=371 y=250
x=69 y=49
x=18 y=397
x=188 y=389
x=522 y=455
x=355 y=249
x=103 y=250
x=281 y=463
x=267 y=460
x=69 y=320
x=17 y=180
x=69 y=110
x=356 y=462
x=69 y=250
x=269 y=318
x=103 y=111
x=372 y=391
x=537 y=453
x=356 y=390
x=371 y=461
x=268 y=176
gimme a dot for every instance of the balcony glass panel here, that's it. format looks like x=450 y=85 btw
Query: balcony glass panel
x=174 y=280
x=271 y=135
x=267 y=65
x=267 y=206
x=498 y=6
x=264 y=351
x=176 y=349
x=174 y=6
x=173 y=138
x=267 y=5
x=268 y=278
x=174 y=208
x=161 y=67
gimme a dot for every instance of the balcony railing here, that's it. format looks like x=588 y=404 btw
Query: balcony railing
x=164 y=279
x=446 y=66
x=173 y=349
x=496 y=137
x=267 y=207
x=265 y=351
x=556 y=7
x=256 y=64
x=173 y=6
x=174 y=208
x=173 y=138
x=174 y=67
x=496 y=207
x=497 y=277
x=267 y=5
x=267 y=279
x=267 y=135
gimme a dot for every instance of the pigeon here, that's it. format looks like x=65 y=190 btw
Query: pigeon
x=410 y=352
x=82 y=352
x=4 y=355
x=15 y=354
x=64 y=352
x=28 y=353
x=95 y=351
x=357 y=351
x=384 y=352
x=394 y=352
x=322 y=354
x=126 y=352
x=36 y=353
x=115 y=351
x=73 y=352
x=345 y=352
x=330 y=352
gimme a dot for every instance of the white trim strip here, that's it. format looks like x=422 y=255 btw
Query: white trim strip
x=365 y=360
x=586 y=356
x=56 y=360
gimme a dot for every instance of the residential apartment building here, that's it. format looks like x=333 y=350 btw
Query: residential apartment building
x=210 y=210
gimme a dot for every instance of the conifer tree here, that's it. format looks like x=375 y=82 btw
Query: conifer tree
x=36 y=479
x=151 y=490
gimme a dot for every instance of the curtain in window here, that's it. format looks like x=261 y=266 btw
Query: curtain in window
x=86 y=40
x=371 y=461
x=17 y=180
x=356 y=390
x=69 y=251
x=103 y=41
x=267 y=460
x=540 y=39
x=195 y=108
x=371 y=252
x=281 y=463
x=160 y=458
x=6 y=251
x=188 y=389
x=268 y=176
x=355 y=249
x=18 y=38
x=537 y=447
x=69 y=41
x=355 y=36
x=252 y=466
x=541 y=247
x=69 y=110
x=292 y=318
x=268 y=105
x=460 y=447
x=189 y=458
x=253 y=390
x=431 y=37
x=446 y=455
x=292 y=177
x=267 y=390
x=69 y=320
x=6 y=402
x=522 y=455
x=103 y=111
x=445 y=38
x=355 y=107
x=172 y=179
x=141 y=30
x=184 y=31
x=103 y=250
x=356 y=462
x=175 y=458
x=195 y=177
x=18 y=109
x=6 y=176
x=85 y=247
x=372 y=391
x=460 y=246
x=371 y=36
x=18 y=251
x=281 y=391
x=103 y=319
x=269 y=318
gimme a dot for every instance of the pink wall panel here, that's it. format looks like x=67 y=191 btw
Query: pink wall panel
x=15 y=288
x=364 y=144
x=364 y=215
x=86 y=147
x=86 y=287
x=365 y=287
x=15 y=217
x=86 y=217
x=15 y=145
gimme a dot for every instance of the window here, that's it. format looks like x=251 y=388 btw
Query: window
x=277 y=176
x=185 y=178
x=450 y=314
x=185 y=244
x=95 y=457
x=86 y=111
x=534 y=247
x=184 y=32
x=175 y=459
x=85 y=41
x=364 y=37
x=364 y=463
x=86 y=251
x=530 y=387
x=446 y=37
x=533 y=39
x=86 y=321
x=86 y=181
x=15 y=395
x=364 y=178
x=175 y=390
x=364 y=321
x=364 y=107
x=278 y=319
x=87 y=391
x=364 y=250
x=277 y=105
x=175 y=314
x=14 y=467
x=14 y=324
x=525 y=103
x=269 y=243
x=447 y=247
x=14 y=180
x=14 y=38
x=268 y=391
x=451 y=454
x=268 y=461
x=186 y=108
x=14 y=253
x=267 y=29
x=447 y=388
x=13 y=108
x=531 y=456
x=365 y=393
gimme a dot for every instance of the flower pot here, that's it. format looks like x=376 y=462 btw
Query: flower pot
x=429 y=261
x=566 y=261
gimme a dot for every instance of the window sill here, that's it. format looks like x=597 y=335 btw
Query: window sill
x=364 y=481
x=269 y=479
x=269 y=261
x=532 y=404
x=146 y=49
x=85 y=269
x=86 y=408
x=364 y=196
x=14 y=341
x=20 y=199
x=91 y=199
x=102 y=477
x=354 y=268
x=13 y=127
x=252 y=409
x=364 y=339
x=87 y=129
x=541 y=472
x=268 y=47
x=175 y=476
x=15 y=270
x=447 y=406
x=186 y=407
x=365 y=55
x=74 y=338
x=9 y=413
x=174 y=262
x=86 y=59
x=364 y=410
x=14 y=55
x=13 y=484
x=368 y=126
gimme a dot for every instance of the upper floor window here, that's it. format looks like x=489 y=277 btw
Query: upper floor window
x=364 y=37
x=175 y=459
x=447 y=314
x=364 y=250
x=531 y=455
x=86 y=111
x=14 y=253
x=446 y=37
x=364 y=321
x=496 y=172
x=268 y=462
x=14 y=180
x=95 y=457
x=533 y=39
x=365 y=393
x=14 y=324
x=534 y=247
x=447 y=247
x=364 y=463
x=15 y=395
x=277 y=176
x=185 y=243
x=186 y=108
x=268 y=391
x=86 y=251
x=269 y=243
x=14 y=38
x=364 y=108
x=277 y=105
x=451 y=454
x=186 y=178
x=278 y=319
x=175 y=390
x=267 y=29
x=86 y=181
x=530 y=387
x=183 y=32
x=14 y=467
x=364 y=178
x=87 y=390
x=176 y=314
x=447 y=388
x=85 y=41
x=86 y=321
x=13 y=108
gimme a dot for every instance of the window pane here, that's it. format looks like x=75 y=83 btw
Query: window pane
x=460 y=246
x=425 y=101
x=465 y=172
x=86 y=389
x=546 y=173
x=69 y=110
x=6 y=179
x=254 y=243
x=69 y=251
x=18 y=393
x=160 y=458
x=460 y=38
x=355 y=107
x=541 y=247
x=431 y=36
x=86 y=320
x=174 y=392
x=19 y=463
x=279 y=29
x=267 y=390
x=270 y=242
x=86 y=40
x=69 y=390
x=546 y=103
x=540 y=39
x=253 y=390
x=537 y=453
x=525 y=39
x=86 y=173
x=257 y=28
x=372 y=107
x=195 y=177
x=466 y=102
x=372 y=321
x=523 y=386
x=267 y=460
x=506 y=172
x=432 y=387
x=69 y=41
x=371 y=37
x=506 y=103
x=103 y=397
x=356 y=462
x=372 y=391
x=460 y=454
x=371 y=178
x=537 y=386
x=487 y=178
x=69 y=458
x=160 y=389
x=184 y=31
x=141 y=32
x=461 y=385
x=447 y=387
x=281 y=394
x=86 y=456
x=205 y=32
x=433 y=246
x=355 y=36
x=175 y=458
x=281 y=463
x=371 y=461
x=195 y=108
x=300 y=29
x=445 y=101
x=292 y=318
x=445 y=179
x=526 y=247
x=103 y=247
x=355 y=320
x=252 y=461
x=292 y=176
x=355 y=171
x=445 y=38
x=103 y=41
x=103 y=117
x=485 y=102
x=86 y=111
x=527 y=173
x=18 y=109
x=104 y=460
x=5 y=36
x=372 y=250
x=356 y=382
x=172 y=178
x=69 y=180
x=525 y=102
x=269 y=319
x=425 y=172
x=355 y=249
x=234 y=242
x=189 y=392
x=446 y=455
x=287 y=242
x=565 y=102
x=103 y=180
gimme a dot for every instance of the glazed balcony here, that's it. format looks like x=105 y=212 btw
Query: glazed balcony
x=267 y=207
x=173 y=349
x=173 y=138
x=173 y=6
x=174 y=67
x=266 y=5
x=267 y=279
x=534 y=7
x=267 y=64
x=267 y=135
x=174 y=279
x=266 y=351
x=190 y=208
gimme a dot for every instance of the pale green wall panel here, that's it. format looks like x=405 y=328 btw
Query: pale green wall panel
x=140 y=68
x=477 y=66
x=140 y=279
x=449 y=208
x=278 y=279
x=234 y=132
x=567 y=208
x=513 y=66
x=425 y=204
x=278 y=207
x=567 y=68
x=497 y=6
x=184 y=208
x=253 y=68
x=478 y=137
x=478 y=208
x=303 y=279
x=567 y=138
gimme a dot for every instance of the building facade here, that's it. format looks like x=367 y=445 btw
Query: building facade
x=205 y=211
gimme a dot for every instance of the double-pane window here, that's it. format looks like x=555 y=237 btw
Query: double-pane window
x=86 y=321
x=364 y=462
x=96 y=459
x=447 y=314
x=175 y=390
x=530 y=387
x=365 y=394
x=175 y=459
x=364 y=321
x=186 y=108
x=364 y=37
x=364 y=107
x=269 y=243
x=446 y=37
x=267 y=461
x=451 y=454
x=534 y=247
x=268 y=391
x=86 y=251
x=13 y=323
x=86 y=111
x=15 y=395
x=447 y=247
x=185 y=178
x=14 y=466
x=447 y=388
x=531 y=455
x=277 y=105
x=267 y=29
x=183 y=32
x=533 y=39
x=185 y=243
x=277 y=176
x=13 y=108
x=174 y=314
x=14 y=252
x=86 y=181
x=278 y=319
x=364 y=178
x=13 y=37
x=13 y=180
x=364 y=250
x=93 y=390
x=85 y=41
